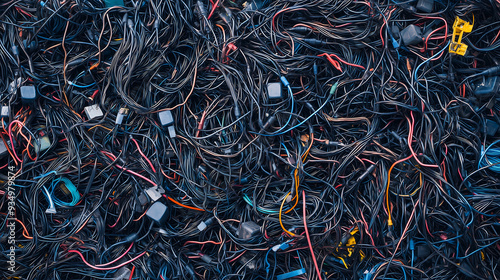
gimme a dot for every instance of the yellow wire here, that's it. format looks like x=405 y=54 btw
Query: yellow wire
x=343 y=262
x=297 y=181
x=414 y=192
x=389 y=220
x=308 y=149
x=295 y=176
x=98 y=125
x=296 y=197
x=296 y=201
x=281 y=209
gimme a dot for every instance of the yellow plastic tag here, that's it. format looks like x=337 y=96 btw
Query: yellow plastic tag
x=351 y=242
x=460 y=27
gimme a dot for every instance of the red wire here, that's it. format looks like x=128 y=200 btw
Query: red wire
x=94 y=94
x=132 y=273
x=369 y=234
x=333 y=62
x=237 y=257
x=23 y=12
x=143 y=155
x=213 y=9
x=111 y=262
x=382 y=27
x=117 y=220
x=428 y=37
x=106 y=268
x=496 y=37
x=182 y=205
x=307 y=234
x=200 y=125
x=445 y=24
x=285 y=10
x=113 y=157
x=10 y=136
x=410 y=136
x=204 y=242
x=347 y=63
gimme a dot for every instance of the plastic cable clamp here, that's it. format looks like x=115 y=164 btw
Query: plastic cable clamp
x=460 y=27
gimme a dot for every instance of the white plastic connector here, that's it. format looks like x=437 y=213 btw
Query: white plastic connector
x=42 y=144
x=171 y=131
x=93 y=112
x=155 y=193
x=52 y=207
x=202 y=226
x=5 y=112
x=122 y=113
x=282 y=246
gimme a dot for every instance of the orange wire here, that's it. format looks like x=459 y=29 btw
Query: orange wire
x=28 y=149
x=25 y=231
x=140 y=217
x=308 y=149
x=389 y=219
x=296 y=176
x=185 y=206
x=281 y=222
x=84 y=224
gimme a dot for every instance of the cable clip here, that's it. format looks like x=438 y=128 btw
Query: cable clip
x=460 y=27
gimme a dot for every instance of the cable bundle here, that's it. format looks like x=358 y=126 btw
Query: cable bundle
x=219 y=139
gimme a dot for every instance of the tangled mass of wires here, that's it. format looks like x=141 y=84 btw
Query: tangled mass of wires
x=235 y=139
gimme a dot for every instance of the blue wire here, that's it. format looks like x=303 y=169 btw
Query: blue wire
x=286 y=150
x=70 y=187
x=490 y=156
x=265 y=211
x=466 y=256
x=291 y=110
x=163 y=272
x=332 y=90
x=78 y=86
x=268 y=264
x=46 y=174
x=434 y=56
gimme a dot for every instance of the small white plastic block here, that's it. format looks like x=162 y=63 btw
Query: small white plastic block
x=28 y=94
x=166 y=118
x=4 y=112
x=122 y=113
x=202 y=226
x=42 y=144
x=93 y=112
x=274 y=90
x=171 y=131
x=155 y=193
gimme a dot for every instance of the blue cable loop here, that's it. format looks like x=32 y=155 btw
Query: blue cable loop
x=490 y=157
x=70 y=187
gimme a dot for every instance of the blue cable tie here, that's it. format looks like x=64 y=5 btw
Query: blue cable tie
x=291 y=274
